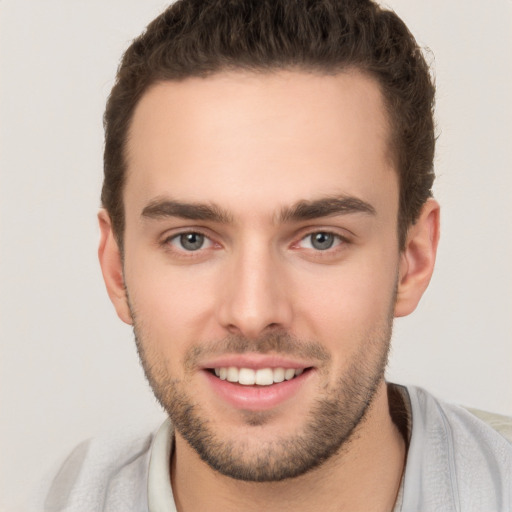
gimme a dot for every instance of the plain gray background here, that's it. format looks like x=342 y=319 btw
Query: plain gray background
x=68 y=366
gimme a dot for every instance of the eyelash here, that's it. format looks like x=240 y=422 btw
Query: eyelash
x=337 y=240
x=339 y=244
x=167 y=243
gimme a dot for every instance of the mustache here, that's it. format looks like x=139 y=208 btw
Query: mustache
x=281 y=343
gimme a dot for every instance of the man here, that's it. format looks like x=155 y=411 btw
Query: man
x=267 y=212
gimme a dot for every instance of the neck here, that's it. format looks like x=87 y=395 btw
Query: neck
x=364 y=475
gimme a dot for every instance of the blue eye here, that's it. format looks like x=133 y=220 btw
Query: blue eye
x=190 y=241
x=320 y=241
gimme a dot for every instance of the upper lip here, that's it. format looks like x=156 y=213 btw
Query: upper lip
x=254 y=361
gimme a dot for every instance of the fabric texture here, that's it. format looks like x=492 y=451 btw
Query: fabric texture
x=455 y=463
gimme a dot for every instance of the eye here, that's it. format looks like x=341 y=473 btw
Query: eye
x=190 y=241
x=320 y=241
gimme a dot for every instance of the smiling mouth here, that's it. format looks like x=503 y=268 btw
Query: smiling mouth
x=259 y=377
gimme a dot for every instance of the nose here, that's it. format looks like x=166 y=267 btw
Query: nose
x=254 y=297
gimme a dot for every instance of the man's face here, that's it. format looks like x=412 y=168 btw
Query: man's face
x=261 y=243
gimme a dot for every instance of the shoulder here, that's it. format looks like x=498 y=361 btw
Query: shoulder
x=463 y=423
x=105 y=473
x=498 y=422
x=467 y=460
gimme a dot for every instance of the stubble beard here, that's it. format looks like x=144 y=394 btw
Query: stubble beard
x=330 y=425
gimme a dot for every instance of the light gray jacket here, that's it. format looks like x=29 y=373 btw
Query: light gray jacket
x=455 y=463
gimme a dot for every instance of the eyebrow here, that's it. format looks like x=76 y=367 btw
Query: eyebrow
x=325 y=207
x=300 y=211
x=162 y=208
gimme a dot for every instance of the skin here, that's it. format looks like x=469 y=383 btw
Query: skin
x=255 y=146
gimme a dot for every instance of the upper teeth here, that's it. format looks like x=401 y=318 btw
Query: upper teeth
x=261 y=377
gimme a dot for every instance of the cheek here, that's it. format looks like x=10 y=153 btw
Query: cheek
x=172 y=305
x=346 y=303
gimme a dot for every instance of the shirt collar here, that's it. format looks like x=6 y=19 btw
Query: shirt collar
x=160 y=497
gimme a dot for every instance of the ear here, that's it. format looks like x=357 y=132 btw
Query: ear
x=112 y=267
x=417 y=259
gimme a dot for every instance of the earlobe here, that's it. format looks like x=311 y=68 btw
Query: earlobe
x=417 y=259
x=112 y=267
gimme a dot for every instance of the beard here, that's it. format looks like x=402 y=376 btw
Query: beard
x=329 y=425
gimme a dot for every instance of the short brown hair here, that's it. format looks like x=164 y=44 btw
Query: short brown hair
x=196 y=38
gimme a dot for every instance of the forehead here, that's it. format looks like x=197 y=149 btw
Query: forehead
x=267 y=138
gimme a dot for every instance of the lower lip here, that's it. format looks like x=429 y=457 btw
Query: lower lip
x=257 y=398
